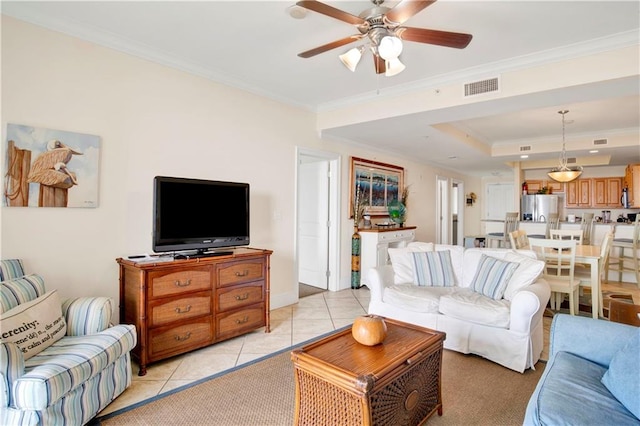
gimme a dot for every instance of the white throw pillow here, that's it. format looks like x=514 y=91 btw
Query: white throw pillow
x=34 y=325
x=402 y=261
x=492 y=276
x=529 y=270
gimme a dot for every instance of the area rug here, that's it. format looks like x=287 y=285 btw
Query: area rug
x=474 y=392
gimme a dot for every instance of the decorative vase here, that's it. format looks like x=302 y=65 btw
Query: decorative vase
x=397 y=212
x=355 y=259
x=369 y=330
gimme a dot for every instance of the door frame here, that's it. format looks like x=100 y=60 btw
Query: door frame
x=333 y=256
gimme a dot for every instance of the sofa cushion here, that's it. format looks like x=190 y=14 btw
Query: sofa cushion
x=20 y=290
x=623 y=376
x=402 y=261
x=492 y=276
x=34 y=325
x=68 y=363
x=468 y=305
x=11 y=269
x=529 y=270
x=571 y=392
x=433 y=269
x=413 y=298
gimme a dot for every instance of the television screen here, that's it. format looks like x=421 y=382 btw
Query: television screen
x=199 y=214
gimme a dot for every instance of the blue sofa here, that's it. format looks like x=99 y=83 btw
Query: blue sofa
x=77 y=375
x=592 y=376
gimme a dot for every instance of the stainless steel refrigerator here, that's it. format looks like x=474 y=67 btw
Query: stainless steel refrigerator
x=538 y=207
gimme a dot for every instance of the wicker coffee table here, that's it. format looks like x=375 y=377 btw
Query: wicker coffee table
x=341 y=382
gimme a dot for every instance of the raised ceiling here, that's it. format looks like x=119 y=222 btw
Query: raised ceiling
x=253 y=45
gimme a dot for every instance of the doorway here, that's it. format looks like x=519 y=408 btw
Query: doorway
x=317 y=206
x=450 y=217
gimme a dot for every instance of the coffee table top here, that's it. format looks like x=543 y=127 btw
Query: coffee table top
x=340 y=351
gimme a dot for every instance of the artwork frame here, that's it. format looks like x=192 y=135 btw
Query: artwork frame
x=50 y=168
x=380 y=183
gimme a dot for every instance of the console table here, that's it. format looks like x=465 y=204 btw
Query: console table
x=374 y=245
x=181 y=305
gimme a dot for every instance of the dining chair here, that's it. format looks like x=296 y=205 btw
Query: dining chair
x=583 y=271
x=586 y=225
x=559 y=257
x=511 y=221
x=519 y=239
x=553 y=222
x=625 y=255
x=566 y=234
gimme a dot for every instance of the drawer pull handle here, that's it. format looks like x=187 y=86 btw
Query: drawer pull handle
x=185 y=284
x=183 y=338
x=183 y=311
x=243 y=320
x=414 y=358
x=242 y=297
x=243 y=273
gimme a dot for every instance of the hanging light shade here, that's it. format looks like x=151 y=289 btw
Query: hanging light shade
x=394 y=67
x=351 y=58
x=563 y=173
x=390 y=47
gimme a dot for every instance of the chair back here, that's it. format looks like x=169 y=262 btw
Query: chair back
x=553 y=222
x=586 y=225
x=566 y=234
x=559 y=258
x=636 y=233
x=519 y=239
x=511 y=221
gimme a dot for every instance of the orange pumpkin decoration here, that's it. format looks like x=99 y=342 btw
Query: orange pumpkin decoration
x=369 y=330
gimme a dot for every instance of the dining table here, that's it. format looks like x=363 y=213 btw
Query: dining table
x=590 y=255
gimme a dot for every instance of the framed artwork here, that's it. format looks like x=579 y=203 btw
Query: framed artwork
x=50 y=168
x=379 y=184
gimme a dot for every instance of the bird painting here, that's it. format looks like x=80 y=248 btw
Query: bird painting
x=50 y=170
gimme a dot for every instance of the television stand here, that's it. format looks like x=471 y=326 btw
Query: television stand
x=202 y=253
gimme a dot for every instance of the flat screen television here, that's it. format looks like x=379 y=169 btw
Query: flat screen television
x=201 y=215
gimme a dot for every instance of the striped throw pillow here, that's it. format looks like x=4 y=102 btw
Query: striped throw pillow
x=492 y=276
x=11 y=269
x=433 y=269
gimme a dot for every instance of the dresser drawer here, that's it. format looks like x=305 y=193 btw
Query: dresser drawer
x=176 y=281
x=240 y=272
x=237 y=322
x=178 y=309
x=165 y=341
x=236 y=297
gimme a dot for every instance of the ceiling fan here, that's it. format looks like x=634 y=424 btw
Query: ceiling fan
x=383 y=28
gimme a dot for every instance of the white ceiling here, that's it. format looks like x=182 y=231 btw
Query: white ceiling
x=253 y=45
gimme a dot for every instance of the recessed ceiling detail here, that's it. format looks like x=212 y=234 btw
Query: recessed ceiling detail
x=482 y=86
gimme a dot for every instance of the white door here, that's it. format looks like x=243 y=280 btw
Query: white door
x=313 y=221
x=500 y=198
x=442 y=213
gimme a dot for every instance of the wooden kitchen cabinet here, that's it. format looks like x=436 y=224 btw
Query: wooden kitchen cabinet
x=578 y=193
x=181 y=305
x=632 y=183
x=606 y=192
x=535 y=185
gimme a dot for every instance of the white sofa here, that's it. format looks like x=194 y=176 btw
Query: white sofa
x=507 y=330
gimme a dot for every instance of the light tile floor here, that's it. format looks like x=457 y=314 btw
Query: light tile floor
x=312 y=316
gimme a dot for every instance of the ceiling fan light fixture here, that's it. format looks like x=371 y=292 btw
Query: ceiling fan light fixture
x=394 y=67
x=563 y=173
x=351 y=58
x=390 y=47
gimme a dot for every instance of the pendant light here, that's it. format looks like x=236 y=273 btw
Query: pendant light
x=564 y=173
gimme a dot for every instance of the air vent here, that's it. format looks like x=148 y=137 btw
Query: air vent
x=480 y=87
x=600 y=141
x=571 y=160
x=525 y=148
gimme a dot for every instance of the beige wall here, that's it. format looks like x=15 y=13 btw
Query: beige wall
x=154 y=120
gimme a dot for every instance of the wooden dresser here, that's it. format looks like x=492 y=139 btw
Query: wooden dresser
x=182 y=305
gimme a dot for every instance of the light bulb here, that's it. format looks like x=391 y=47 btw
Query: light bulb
x=390 y=47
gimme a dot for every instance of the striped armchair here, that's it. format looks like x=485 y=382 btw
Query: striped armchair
x=76 y=377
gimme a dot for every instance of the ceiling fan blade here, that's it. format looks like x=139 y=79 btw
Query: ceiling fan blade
x=331 y=11
x=406 y=9
x=441 y=38
x=330 y=46
x=380 y=64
